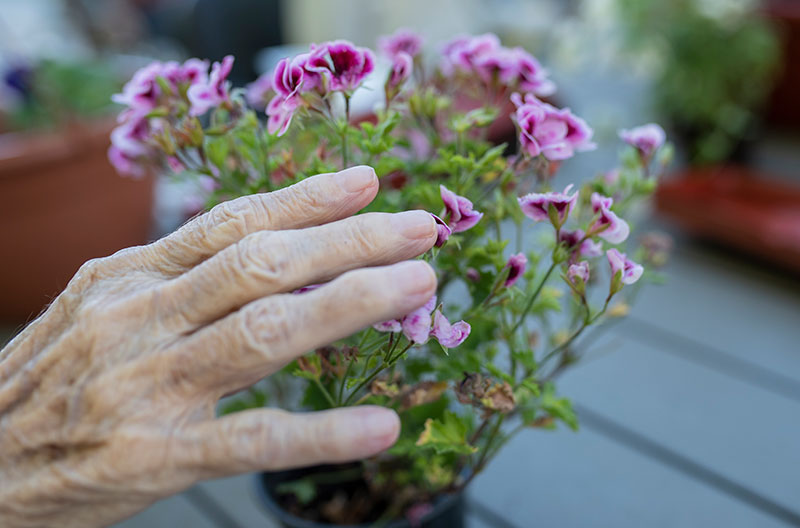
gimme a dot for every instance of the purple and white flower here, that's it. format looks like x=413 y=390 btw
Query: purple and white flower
x=461 y=216
x=557 y=134
x=516 y=268
x=538 y=206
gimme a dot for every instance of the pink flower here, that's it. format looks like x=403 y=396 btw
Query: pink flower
x=343 y=64
x=443 y=231
x=459 y=209
x=461 y=53
x=258 y=90
x=578 y=271
x=531 y=76
x=142 y=91
x=623 y=270
x=125 y=164
x=516 y=265
x=129 y=137
x=588 y=247
x=417 y=324
x=401 y=41
x=646 y=139
x=204 y=96
x=544 y=129
x=449 y=336
x=287 y=81
x=607 y=225
x=402 y=66
x=392 y=325
x=191 y=72
x=538 y=206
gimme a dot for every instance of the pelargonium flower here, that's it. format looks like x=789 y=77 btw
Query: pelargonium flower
x=462 y=52
x=129 y=137
x=579 y=270
x=537 y=206
x=443 y=231
x=484 y=56
x=258 y=90
x=287 y=82
x=531 y=76
x=588 y=247
x=401 y=41
x=646 y=139
x=416 y=326
x=203 y=96
x=461 y=216
x=125 y=164
x=516 y=265
x=607 y=225
x=449 y=335
x=544 y=129
x=343 y=64
x=402 y=66
x=142 y=91
x=623 y=270
x=128 y=144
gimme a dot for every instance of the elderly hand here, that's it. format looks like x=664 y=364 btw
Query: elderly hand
x=107 y=400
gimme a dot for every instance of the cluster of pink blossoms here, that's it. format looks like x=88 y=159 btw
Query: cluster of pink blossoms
x=163 y=88
x=418 y=328
x=485 y=57
x=337 y=66
x=555 y=207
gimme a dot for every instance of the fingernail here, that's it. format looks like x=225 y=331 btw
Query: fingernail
x=414 y=224
x=381 y=427
x=355 y=179
x=414 y=277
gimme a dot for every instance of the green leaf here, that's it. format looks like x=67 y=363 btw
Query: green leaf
x=559 y=408
x=446 y=436
x=303 y=489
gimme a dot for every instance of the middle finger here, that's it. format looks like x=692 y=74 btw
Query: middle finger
x=270 y=262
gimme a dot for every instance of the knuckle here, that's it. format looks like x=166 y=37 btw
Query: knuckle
x=234 y=217
x=264 y=256
x=266 y=324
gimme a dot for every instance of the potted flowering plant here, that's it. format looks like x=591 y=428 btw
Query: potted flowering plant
x=477 y=363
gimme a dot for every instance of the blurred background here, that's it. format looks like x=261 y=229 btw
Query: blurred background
x=690 y=407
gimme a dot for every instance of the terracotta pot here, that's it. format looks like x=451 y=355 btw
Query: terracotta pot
x=62 y=204
x=739 y=208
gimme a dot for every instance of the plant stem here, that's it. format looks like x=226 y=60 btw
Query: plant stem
x=483 y=458
x=325 y=392
x=586 y=323
x=345 y=153
x=532 y=300
x=387 y=362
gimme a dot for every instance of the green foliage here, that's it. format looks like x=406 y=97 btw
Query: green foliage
x=63 y=91
x=448 y=435
x=717 y=70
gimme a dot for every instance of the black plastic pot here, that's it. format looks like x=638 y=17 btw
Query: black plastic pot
x=447 y=512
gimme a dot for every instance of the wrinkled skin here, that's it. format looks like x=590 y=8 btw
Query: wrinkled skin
x=107 y=400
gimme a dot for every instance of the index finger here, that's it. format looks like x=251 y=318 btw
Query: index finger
x=313 y=201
